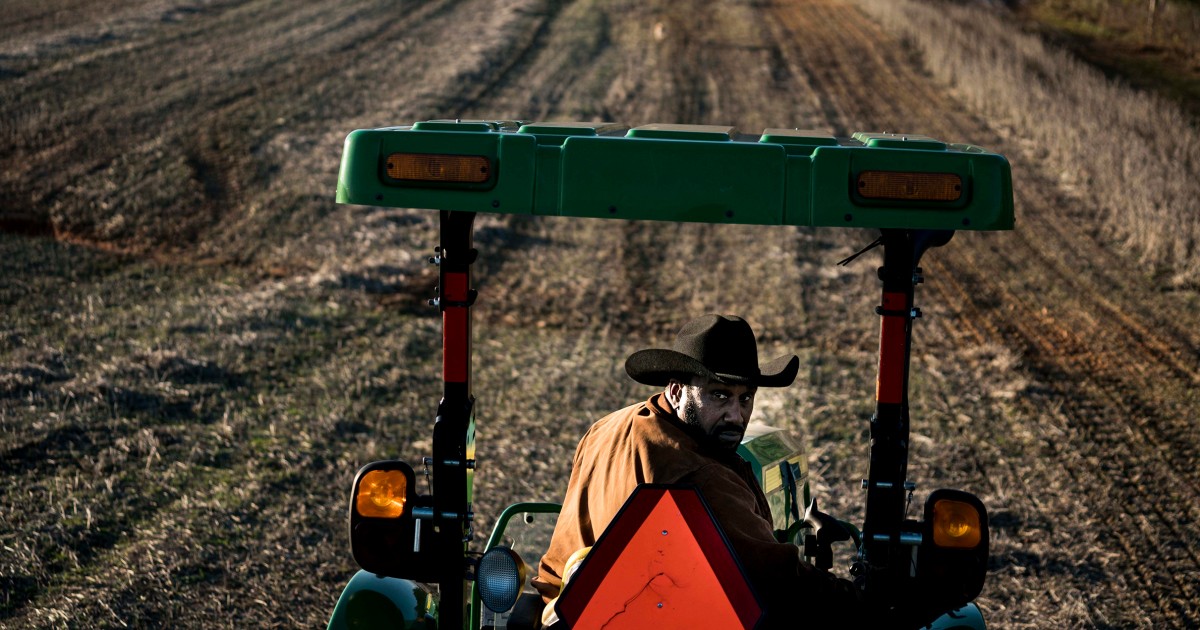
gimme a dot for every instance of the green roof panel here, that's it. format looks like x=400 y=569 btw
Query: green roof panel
x=691 y=173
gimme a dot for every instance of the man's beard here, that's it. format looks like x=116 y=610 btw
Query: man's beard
x=691 y=415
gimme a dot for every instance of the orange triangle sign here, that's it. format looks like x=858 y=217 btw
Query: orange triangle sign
x=663 y=562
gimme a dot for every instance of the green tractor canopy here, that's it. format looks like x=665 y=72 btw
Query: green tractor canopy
x=916 y=191
x=690 y=173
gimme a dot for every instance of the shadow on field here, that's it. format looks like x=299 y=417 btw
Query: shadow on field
x=26 y=379
x=183 y=371
x=42 y=453
x=1049 y=564
x=109 y=405
x=19 y=589
x=69 y=443
x=133 y=402
x=1055 y=563
x=510 y=237
x=75 y=543
x=379 y=280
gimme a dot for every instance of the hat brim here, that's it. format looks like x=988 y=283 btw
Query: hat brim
x=658 y=366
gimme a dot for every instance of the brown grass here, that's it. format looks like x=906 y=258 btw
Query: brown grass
x=1153 y=44
x=1131 y=155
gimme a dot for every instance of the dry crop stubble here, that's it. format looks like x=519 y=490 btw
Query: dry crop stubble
x=230 y=485
x=253 y=489
x=1130 y=155
x=237 y=402
x=1055 y=228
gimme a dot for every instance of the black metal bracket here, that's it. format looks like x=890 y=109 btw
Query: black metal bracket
x=826 y=531
x=472 y=295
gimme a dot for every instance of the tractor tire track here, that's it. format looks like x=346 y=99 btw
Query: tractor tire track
x=125 y=520
x=1106 y=400
x=1105 y=416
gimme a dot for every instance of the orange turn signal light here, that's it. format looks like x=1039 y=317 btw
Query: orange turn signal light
x=902 y=186
x=956 y=525
x=438 y=168
x=382 y=494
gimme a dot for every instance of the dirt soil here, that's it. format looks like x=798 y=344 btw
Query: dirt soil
x=194 y=367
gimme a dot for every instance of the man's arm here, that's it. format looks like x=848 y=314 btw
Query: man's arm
x=789 y=586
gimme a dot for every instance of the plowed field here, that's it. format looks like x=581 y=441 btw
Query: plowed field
x=199 y=348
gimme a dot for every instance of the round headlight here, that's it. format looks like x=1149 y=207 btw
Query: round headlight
x=500 y=577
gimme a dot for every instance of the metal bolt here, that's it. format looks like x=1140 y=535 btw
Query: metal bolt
x=664 y=533
x=660 y=604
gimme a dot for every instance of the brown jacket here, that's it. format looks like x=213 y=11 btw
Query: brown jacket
x=647 y=443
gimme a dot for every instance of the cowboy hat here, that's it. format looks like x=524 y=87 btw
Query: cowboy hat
x=716 y=347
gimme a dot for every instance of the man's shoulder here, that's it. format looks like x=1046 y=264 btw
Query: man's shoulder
x=642 y=409
x=645 y=419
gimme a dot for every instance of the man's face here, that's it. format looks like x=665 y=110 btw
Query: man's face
x=719 y=410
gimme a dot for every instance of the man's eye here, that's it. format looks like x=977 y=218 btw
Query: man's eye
x=747 y=399
x=720 y=395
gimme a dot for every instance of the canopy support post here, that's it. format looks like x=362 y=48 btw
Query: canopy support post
x=887 y=562
x=453 y=460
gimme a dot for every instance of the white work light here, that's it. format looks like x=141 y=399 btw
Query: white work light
x=500 y=576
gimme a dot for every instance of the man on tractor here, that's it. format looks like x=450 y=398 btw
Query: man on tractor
x=689 y=433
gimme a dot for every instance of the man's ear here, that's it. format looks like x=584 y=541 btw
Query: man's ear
x=674 y=393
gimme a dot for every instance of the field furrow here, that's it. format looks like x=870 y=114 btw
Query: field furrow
x=1110 y=354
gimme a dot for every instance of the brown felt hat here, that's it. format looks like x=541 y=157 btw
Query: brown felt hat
x=714 y=346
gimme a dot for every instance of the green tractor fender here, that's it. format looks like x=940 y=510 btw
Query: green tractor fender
x=372 y=601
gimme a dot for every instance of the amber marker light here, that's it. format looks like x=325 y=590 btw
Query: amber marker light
x=382 y=494
x=438 y=168
x=901 y=186
x=956 y=525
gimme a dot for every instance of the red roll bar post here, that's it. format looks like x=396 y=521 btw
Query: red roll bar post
x=453 y=461
x=887 y=561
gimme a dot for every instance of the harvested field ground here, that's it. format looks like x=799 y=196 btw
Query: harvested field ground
x=194 y=367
